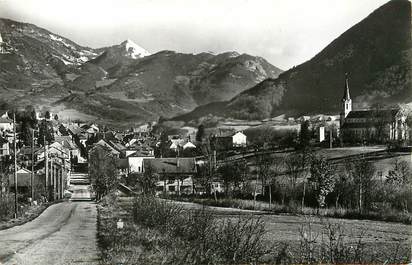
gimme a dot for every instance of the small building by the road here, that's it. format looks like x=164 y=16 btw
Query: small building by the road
x=24 y=181
x=175 y=174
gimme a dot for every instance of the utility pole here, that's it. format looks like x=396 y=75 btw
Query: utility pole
x=330 y=137
x=15 y=166
x=46 y=166
x=32 y=166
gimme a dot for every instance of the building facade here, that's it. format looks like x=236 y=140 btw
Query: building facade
x=377 y=125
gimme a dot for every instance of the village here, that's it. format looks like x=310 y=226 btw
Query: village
x=62 y=149
x=52 y=155
x=205 y=132
x=358 y=161
x=345 y=161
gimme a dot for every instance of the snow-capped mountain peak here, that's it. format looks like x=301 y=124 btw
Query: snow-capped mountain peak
x=133 y=50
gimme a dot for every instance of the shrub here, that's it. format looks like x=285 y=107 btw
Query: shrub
x=197 y=236
x=6 y=206
x=153 y=213
x=240 y=240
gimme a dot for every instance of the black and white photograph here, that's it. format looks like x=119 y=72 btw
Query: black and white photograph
x=205 y=132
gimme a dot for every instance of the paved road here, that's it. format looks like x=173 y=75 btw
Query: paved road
x=65 y=233
x=80 y=192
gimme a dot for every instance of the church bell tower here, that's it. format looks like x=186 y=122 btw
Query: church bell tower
x=346 y=101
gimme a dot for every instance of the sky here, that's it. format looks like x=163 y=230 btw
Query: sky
x=284 y=32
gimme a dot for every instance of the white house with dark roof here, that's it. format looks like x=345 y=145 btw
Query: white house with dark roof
x=239 y=139
x=6 y=124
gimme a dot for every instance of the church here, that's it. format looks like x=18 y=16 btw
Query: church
x=372 y=125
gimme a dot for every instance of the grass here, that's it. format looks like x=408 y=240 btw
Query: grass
x=386 y=215
x=26 y=212
x=157 y=232
x=181 y=238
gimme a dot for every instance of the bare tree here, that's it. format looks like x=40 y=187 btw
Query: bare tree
x=276 y=170
x=263 y=168
x=297 y=165
x=362 y=172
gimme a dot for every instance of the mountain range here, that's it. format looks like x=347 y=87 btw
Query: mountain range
x=125 y=84
x=119 y=84
x=376 y=53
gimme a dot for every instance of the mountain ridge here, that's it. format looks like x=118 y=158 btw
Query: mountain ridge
x=376 y=52
x=38 y=67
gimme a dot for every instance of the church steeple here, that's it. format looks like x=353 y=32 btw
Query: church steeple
x=346 y=95
x=346 y=100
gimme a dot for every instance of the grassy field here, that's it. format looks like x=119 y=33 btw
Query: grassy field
x=375 y=241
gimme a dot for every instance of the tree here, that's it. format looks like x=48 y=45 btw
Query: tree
x=47 y=115
x=163 y=148
x=28 y=122
x=56 y=117
x=147 y=180
x=362 y=173
x=232 y=174
x=46 y=132
x=6 y=163
x=399 y=175
x=343 y=185
x=102 y=170
x=304 y=135
x=264 y=169
x=322 y=175
x=200 y=133
x=275 y=170
x=207 y=170
x=296 y=164
x=26 y=133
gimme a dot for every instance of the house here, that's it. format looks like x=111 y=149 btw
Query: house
x=320 y=133
x=118 y=146
x=112 y=150
x=135 y=163
x=23 y=180
x=175 y=174
x=304 y=118
x=378 y=125
x=119 y=136
x=67 y=143
x=57 y=178
x=188 y=145
x=143 y=130
x=4 y=147
x=6 y=124
x=143 y=150
x=227 y=142
x=91 y=129
x=122 y=167
x=239 y=139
